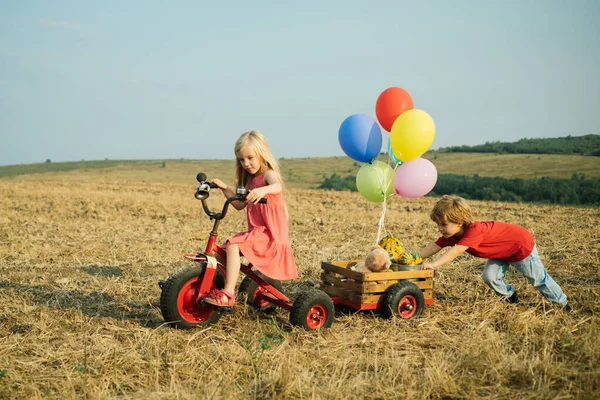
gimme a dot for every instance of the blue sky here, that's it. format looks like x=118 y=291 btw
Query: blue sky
x=156 y=79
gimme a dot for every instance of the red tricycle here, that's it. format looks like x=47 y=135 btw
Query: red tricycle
x=181 y=294
x=180 y=300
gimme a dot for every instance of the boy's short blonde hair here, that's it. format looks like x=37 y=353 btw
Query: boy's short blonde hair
x=451 y=208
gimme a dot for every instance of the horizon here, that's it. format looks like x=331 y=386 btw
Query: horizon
x=48 y=161
x=138 y=81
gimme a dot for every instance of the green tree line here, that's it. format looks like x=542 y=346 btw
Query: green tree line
x=337 y=182
x=587 y=145
x=575 y=191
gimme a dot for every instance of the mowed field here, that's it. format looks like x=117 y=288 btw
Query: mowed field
x=82 y=251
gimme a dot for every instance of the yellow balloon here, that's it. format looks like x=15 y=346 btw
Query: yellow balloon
x=411 y=135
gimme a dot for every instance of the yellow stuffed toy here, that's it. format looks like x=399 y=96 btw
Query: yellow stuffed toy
x=393 y=246
x=413 y=258
x=397 y=253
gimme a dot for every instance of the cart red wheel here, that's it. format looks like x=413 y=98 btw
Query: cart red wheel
x=251 y=289
x=404 y=300
x=178 y=300
x=312 y=310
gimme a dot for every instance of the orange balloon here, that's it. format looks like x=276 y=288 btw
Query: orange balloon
x=391 y=103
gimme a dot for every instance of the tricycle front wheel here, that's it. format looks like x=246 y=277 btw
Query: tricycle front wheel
x=312 y=310
x=179 y=298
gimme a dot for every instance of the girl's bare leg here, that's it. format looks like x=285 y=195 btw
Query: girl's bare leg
x=232 y=269
x=232 y=266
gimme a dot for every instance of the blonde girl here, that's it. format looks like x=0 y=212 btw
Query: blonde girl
x=266 y=243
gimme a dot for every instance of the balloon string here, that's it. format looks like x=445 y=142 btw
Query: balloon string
x=381 y=224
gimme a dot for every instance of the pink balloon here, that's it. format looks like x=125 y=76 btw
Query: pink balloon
x=415 y=178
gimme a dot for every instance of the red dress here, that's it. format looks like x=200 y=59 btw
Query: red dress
x=266 y=244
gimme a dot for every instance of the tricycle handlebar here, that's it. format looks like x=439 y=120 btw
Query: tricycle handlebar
x=202 y=193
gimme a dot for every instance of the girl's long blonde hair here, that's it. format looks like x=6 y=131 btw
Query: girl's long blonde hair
x=257 y=142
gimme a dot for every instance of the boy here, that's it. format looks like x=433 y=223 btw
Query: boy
x=501 y=243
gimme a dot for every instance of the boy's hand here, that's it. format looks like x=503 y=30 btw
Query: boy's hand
x=428 y=266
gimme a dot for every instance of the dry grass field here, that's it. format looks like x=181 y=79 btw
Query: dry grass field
x=81 y=253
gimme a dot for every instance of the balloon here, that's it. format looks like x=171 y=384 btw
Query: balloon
x=415 y=178
x=392 y=155
x=412 y=134
x=374 y=181
x=390 y=104
x=360 y=137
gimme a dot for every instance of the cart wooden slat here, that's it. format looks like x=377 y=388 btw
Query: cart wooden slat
x=365 y=291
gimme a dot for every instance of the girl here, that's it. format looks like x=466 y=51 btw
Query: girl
x=265 y=244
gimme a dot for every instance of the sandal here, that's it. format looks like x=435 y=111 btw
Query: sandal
x=203 y=296
x=215 y=298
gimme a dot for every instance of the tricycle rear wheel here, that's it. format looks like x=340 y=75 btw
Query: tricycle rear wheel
x=312 y=310
x=251 y=289
x=178 y=300
x=404 y=300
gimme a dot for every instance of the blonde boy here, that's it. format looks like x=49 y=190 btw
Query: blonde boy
x=501 y=243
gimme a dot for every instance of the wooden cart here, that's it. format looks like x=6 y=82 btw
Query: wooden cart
x=398 y=293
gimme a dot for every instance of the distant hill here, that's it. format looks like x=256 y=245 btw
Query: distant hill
x=587 y=145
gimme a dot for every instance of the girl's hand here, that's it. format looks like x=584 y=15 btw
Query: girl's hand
x=255 y=195
x=428 y=266
x=220 y=184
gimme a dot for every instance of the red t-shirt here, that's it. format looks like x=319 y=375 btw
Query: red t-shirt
x=497 y=240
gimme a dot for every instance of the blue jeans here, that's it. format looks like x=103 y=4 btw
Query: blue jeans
x=532 y=268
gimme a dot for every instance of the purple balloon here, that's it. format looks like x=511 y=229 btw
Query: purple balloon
x=415 y=178
x=360 y=137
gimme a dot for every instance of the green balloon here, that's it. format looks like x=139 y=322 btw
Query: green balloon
x=374 y=181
